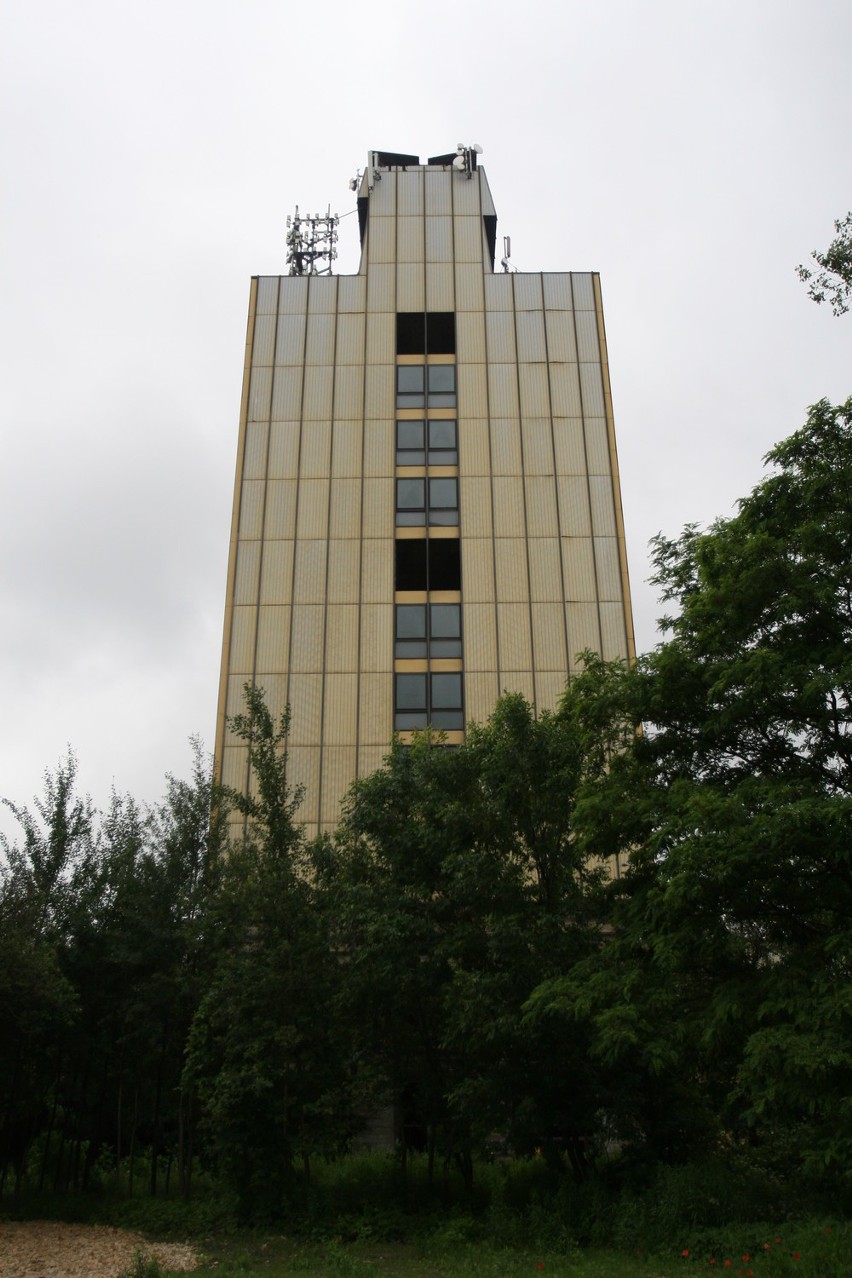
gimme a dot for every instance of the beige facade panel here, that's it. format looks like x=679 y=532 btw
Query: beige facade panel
x=283 y=450
x=381 y=239
x=561 y=337
x=537 y=443
x=243 y=626
x=345 y=508
x=541 y=506
x=290 y=340
x=338 y=772
x=584 y=630
x=379 y=448
x=346 y=442
x=254 y=457
x=409 y=194
x=565 y=390
x=380 y=392
x=263 y=340
x=370 y=758
x=609 y=569
x=470 y=337
x=349 y=392
x=479 y=627
x=312 y=509
x=341 y=639
x=579 y=569
x=377 y=637
x=468 y=286
x=545 y=569
x=477 y=570
x=438 y=193
x=319 y=343
x=287 y=395
x=267 y=295
x=518 y=681
x=235 y=767
x=499 y=294
x=340 y=723
x=411 y=286
x=319 y=387
x=235 y=701
x=532 y=347
x=467 y=233
x=475 y=506
x=509 y=506
x=569 y=445
x=381 y=338
x=315 y=460
x=613 y=632
x=276 y=575
x=587 y=337
x=378 y=513
x=465 y=195
x=251 y=509
x=597 y=446
x=247 y=576
x=439 y=239
x=510 y=554
x=293 y=296
x=410 y=246
x=549 y=688
x=603 y=506
x=260 y=390
x=505 y=446
x=474 y=452
x=535 y=389
x=273 y=639
x=381 y=287
x=377 y=570
x=583 y=290
x=309 y=577
x=322 y=294
x=344 y=569
x=528 y=295
x=500 y=336
x=280 y=509
x=351 y=294
x=556 y=286
x=574 y=513
x=350 y=340
x=472 y=390
x=303 y=765
x=548 y=621
x=592 y=387
x=486 y=202
x=382 y=196
x=307 y=640
x=481 y=690
x=375 y=710
x=440 y=287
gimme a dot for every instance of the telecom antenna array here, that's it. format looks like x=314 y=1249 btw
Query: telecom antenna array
x=311 y=243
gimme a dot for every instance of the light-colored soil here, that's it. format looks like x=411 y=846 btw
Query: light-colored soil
x=48 y=1249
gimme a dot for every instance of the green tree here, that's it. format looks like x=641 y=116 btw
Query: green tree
x=833 y=281
x=727 y=979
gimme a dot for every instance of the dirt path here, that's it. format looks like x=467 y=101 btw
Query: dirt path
x=48 y=1249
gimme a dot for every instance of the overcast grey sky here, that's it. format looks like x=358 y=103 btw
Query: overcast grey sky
x=692 y=151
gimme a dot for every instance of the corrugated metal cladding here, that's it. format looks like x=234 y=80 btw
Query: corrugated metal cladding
x=310 y=606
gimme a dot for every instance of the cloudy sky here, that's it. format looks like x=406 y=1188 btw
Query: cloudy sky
x=692 y=151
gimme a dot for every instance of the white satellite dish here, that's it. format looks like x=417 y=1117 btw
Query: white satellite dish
x=458 y=162
x=477 y=148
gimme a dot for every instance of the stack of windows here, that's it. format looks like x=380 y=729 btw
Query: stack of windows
x=428 y=682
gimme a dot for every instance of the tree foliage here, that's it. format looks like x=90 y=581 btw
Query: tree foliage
x=833 y=281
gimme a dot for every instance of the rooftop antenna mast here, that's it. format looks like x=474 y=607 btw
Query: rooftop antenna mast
x=311 y=242
x=507 y=253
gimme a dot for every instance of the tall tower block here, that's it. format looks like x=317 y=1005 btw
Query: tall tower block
x=427 y=509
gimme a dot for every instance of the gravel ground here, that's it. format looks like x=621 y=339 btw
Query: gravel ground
x=48 y=1249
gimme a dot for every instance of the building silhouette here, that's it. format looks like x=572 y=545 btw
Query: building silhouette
x=427 y=509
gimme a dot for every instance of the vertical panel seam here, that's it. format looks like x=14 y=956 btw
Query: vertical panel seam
x=586 y=466
x=327 y=550
x=562 y=582
x=524 y=495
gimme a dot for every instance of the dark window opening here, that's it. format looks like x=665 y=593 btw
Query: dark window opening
x=427 y=564
x=440 y=333
x=395 y=159
x=421 y=699
x=411 y=333
x=490 y=221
